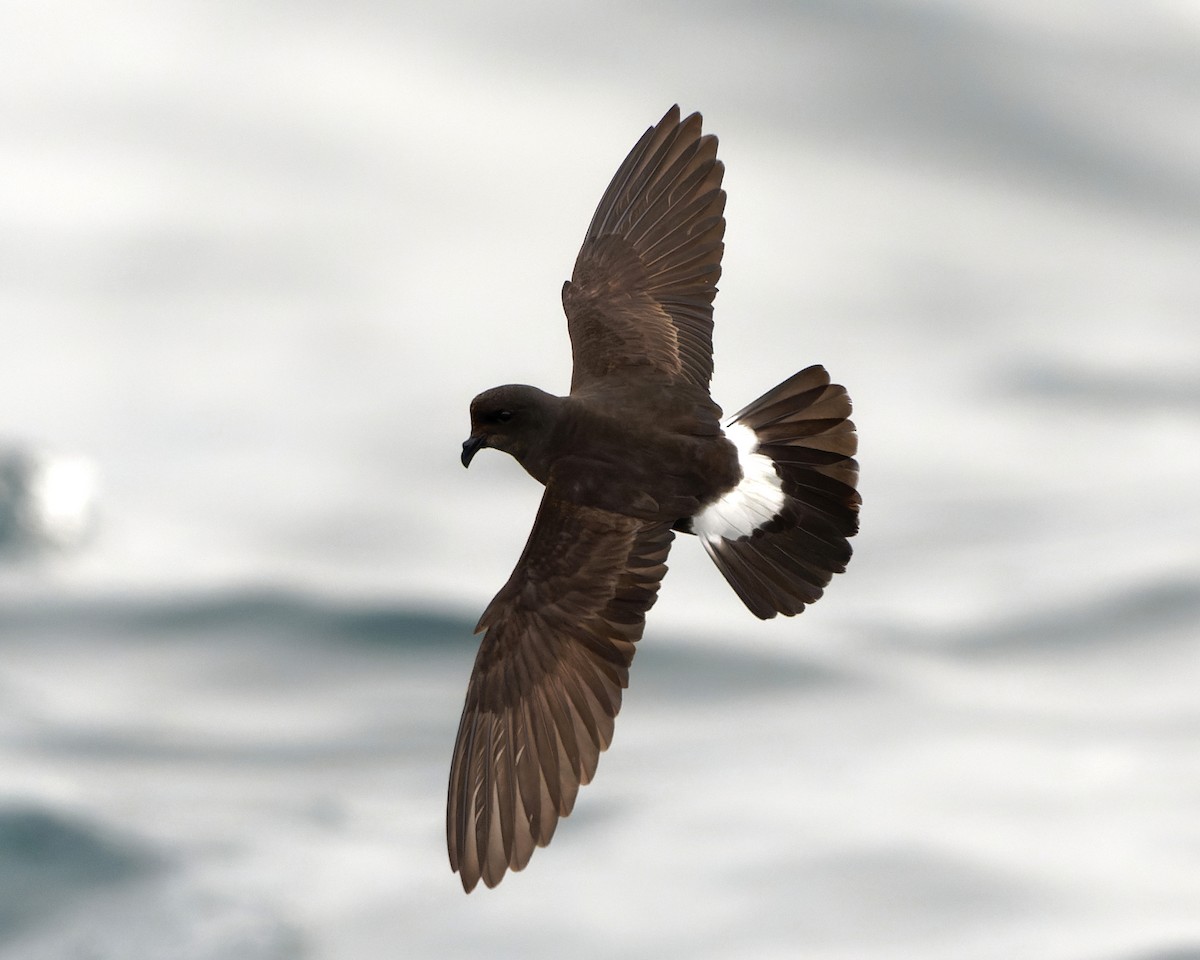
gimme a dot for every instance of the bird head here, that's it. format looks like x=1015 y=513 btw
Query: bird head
x=514 y=418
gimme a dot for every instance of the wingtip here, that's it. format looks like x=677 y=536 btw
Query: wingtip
x=674 y=118
x=468 y=883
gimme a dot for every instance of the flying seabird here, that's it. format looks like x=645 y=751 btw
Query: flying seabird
x=634 y=453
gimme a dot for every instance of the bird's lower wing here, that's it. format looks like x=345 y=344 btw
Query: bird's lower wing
x=558 y=641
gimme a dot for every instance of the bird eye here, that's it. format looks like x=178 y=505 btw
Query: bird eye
x=503 y=416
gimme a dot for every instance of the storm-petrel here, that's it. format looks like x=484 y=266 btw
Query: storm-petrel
x=635 y=452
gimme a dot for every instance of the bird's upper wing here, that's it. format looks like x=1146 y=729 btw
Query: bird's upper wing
x=644 y=281
x=547 y=681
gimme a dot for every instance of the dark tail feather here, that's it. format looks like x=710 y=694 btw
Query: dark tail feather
x=803 y=426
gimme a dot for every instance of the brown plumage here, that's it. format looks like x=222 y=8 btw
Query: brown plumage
x=803 y=426
x=635 y=452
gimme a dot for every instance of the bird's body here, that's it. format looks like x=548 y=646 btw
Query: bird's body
x=583 y=442
x=636 y=452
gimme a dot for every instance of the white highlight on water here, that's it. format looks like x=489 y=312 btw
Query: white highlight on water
x=46 y=499
x=749 y=505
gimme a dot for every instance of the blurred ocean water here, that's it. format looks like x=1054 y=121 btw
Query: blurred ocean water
x=261 y=775
x=256 y=259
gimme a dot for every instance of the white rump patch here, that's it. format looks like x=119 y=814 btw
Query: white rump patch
x=752 y=503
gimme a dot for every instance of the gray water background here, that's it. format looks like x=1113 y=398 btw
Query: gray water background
x=256 y=258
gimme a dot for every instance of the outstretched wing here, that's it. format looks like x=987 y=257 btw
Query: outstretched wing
x=642 y=290
x=547 y=681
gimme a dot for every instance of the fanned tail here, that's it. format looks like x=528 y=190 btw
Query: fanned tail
x=782 y=533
